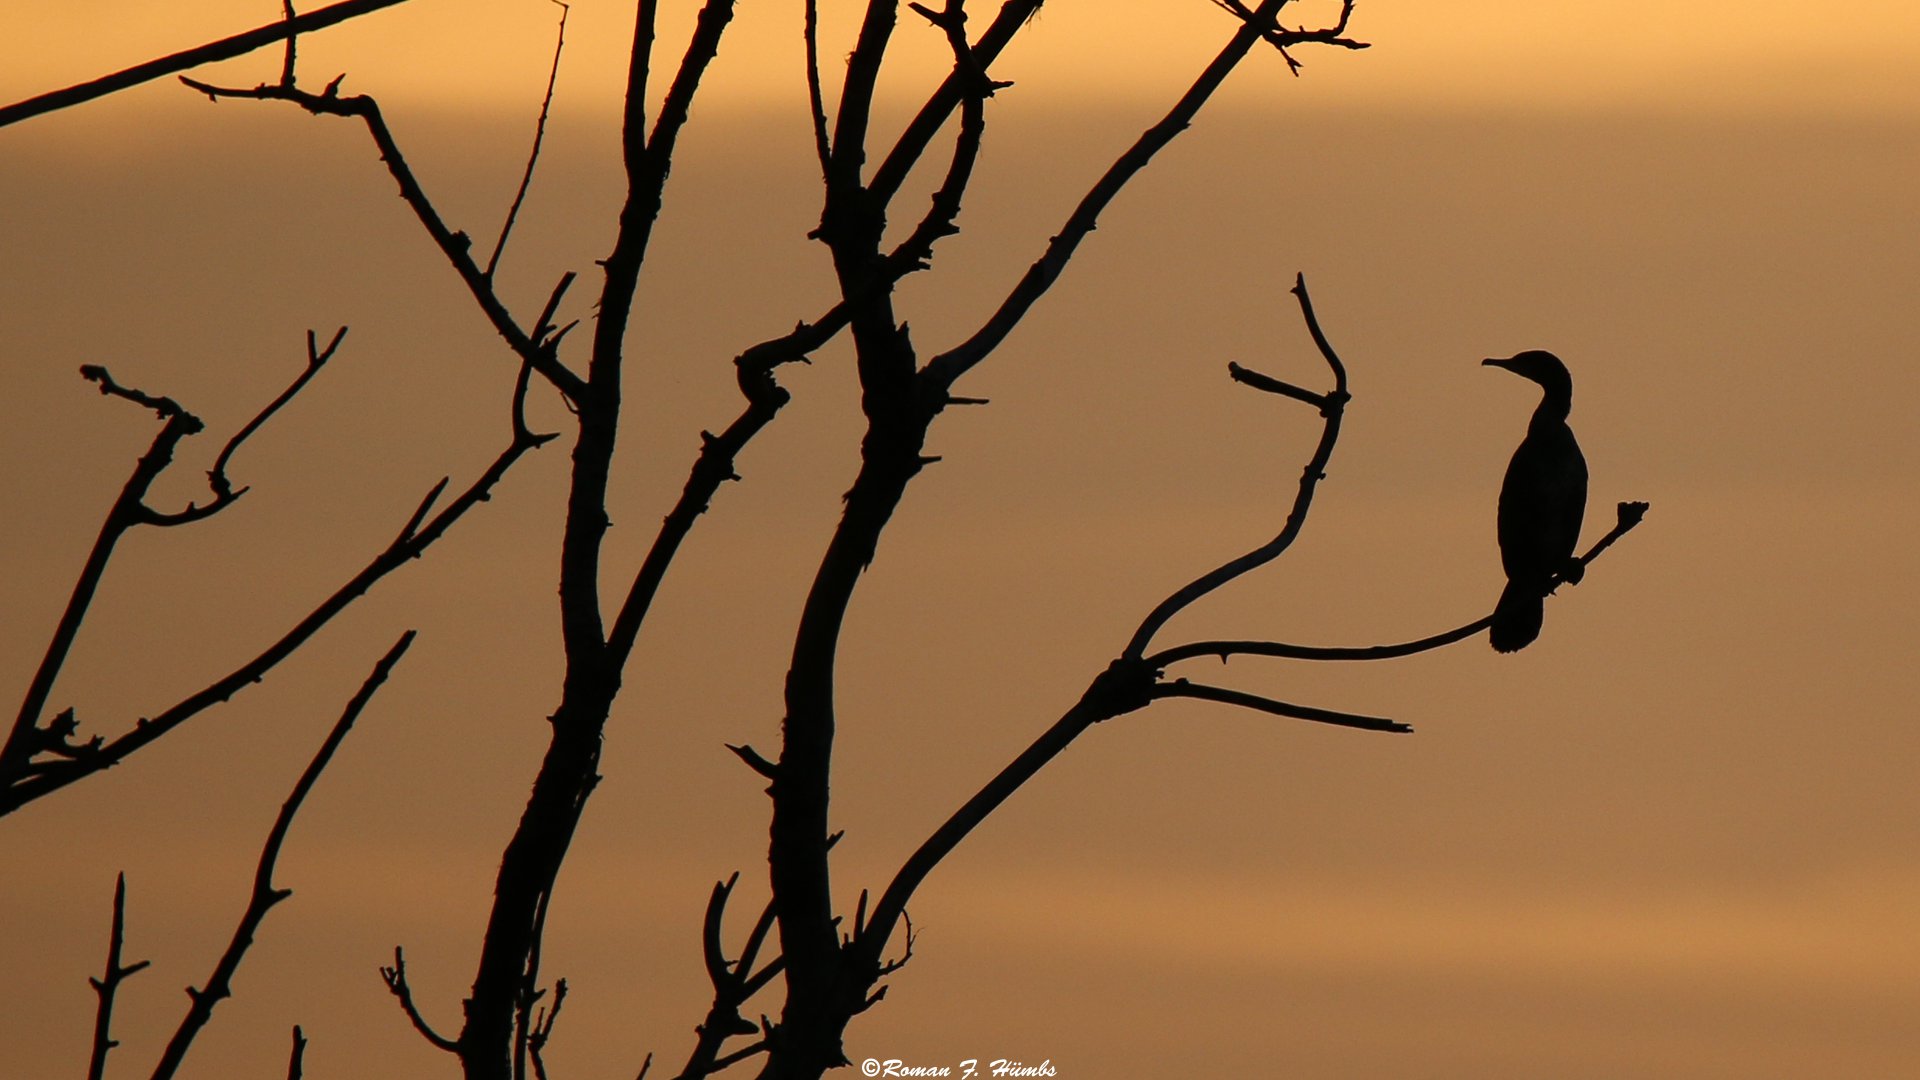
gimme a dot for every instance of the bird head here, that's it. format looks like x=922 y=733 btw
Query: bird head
x=1540 y=366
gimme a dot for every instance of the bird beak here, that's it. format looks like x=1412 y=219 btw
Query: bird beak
x=1493 y=362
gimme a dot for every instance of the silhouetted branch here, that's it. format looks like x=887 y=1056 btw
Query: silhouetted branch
x=316 y=359
x=532 y=858
x=533 y=157
x=1331 y=406
x=28 y=740
x=1629 y=514
x=919 y=133
x=1123 y=687
x=456 y=247
x=916 y=252
x=105 y=987
x=224 y=49
x=290 y=58
x=265 y=895
x=1183 y=688
x=715 y=466
x=734 y=982
x=816 y=102
x=1281 y=38
x=530 y=992
x=543 y=1028
x=945 y=369
x=414 y=539
x=395 y=978
x=296 y=1060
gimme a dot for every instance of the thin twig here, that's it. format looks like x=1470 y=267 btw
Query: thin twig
x=316 y=359
x=395 y=978
x=296 y=1062
x=822 y=145
x=265 y=895
x=533 y=158
x=105 y=987
x=1179 y=688
x=543 y=1028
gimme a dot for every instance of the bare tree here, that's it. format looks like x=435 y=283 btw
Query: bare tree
x=828 y=965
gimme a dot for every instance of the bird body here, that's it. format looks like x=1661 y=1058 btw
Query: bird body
x=1542 y=504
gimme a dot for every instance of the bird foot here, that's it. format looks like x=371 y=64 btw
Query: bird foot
x=1573 y=572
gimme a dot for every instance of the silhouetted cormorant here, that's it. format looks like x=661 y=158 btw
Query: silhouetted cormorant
x=1541 y=503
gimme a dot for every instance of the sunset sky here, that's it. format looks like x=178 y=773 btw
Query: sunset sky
x=1678 y=837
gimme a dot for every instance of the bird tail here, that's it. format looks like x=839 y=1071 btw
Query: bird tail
x=1516 y=618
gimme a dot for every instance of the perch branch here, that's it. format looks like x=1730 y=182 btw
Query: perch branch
x=1628 y=515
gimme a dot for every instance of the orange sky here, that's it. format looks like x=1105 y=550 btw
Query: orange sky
x=1673 y=839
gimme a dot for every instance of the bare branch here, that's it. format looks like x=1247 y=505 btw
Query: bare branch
x=1331 y=406
x=1122 y=688
x=945 y=369
x=1629 y=514
x=290 y=59
x=1183 y=688
x=533 y=157
x=822 y=145
x=409 y=545
x=916 y=251
x=224 y=49
x=715 y=466
x=296 y=1061
x=265 y=895
x=1282 y=38
x=913 y=141
x=316 y=359
x=27 y=738
x=456 y=247
x=543 y=1029
x=396 y=979
x=109 y=984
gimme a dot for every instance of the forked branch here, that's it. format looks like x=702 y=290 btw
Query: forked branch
x=456 y=247
x=1331 y=405
x=34 y=749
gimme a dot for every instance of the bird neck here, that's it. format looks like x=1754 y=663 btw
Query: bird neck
x=1554 y=406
